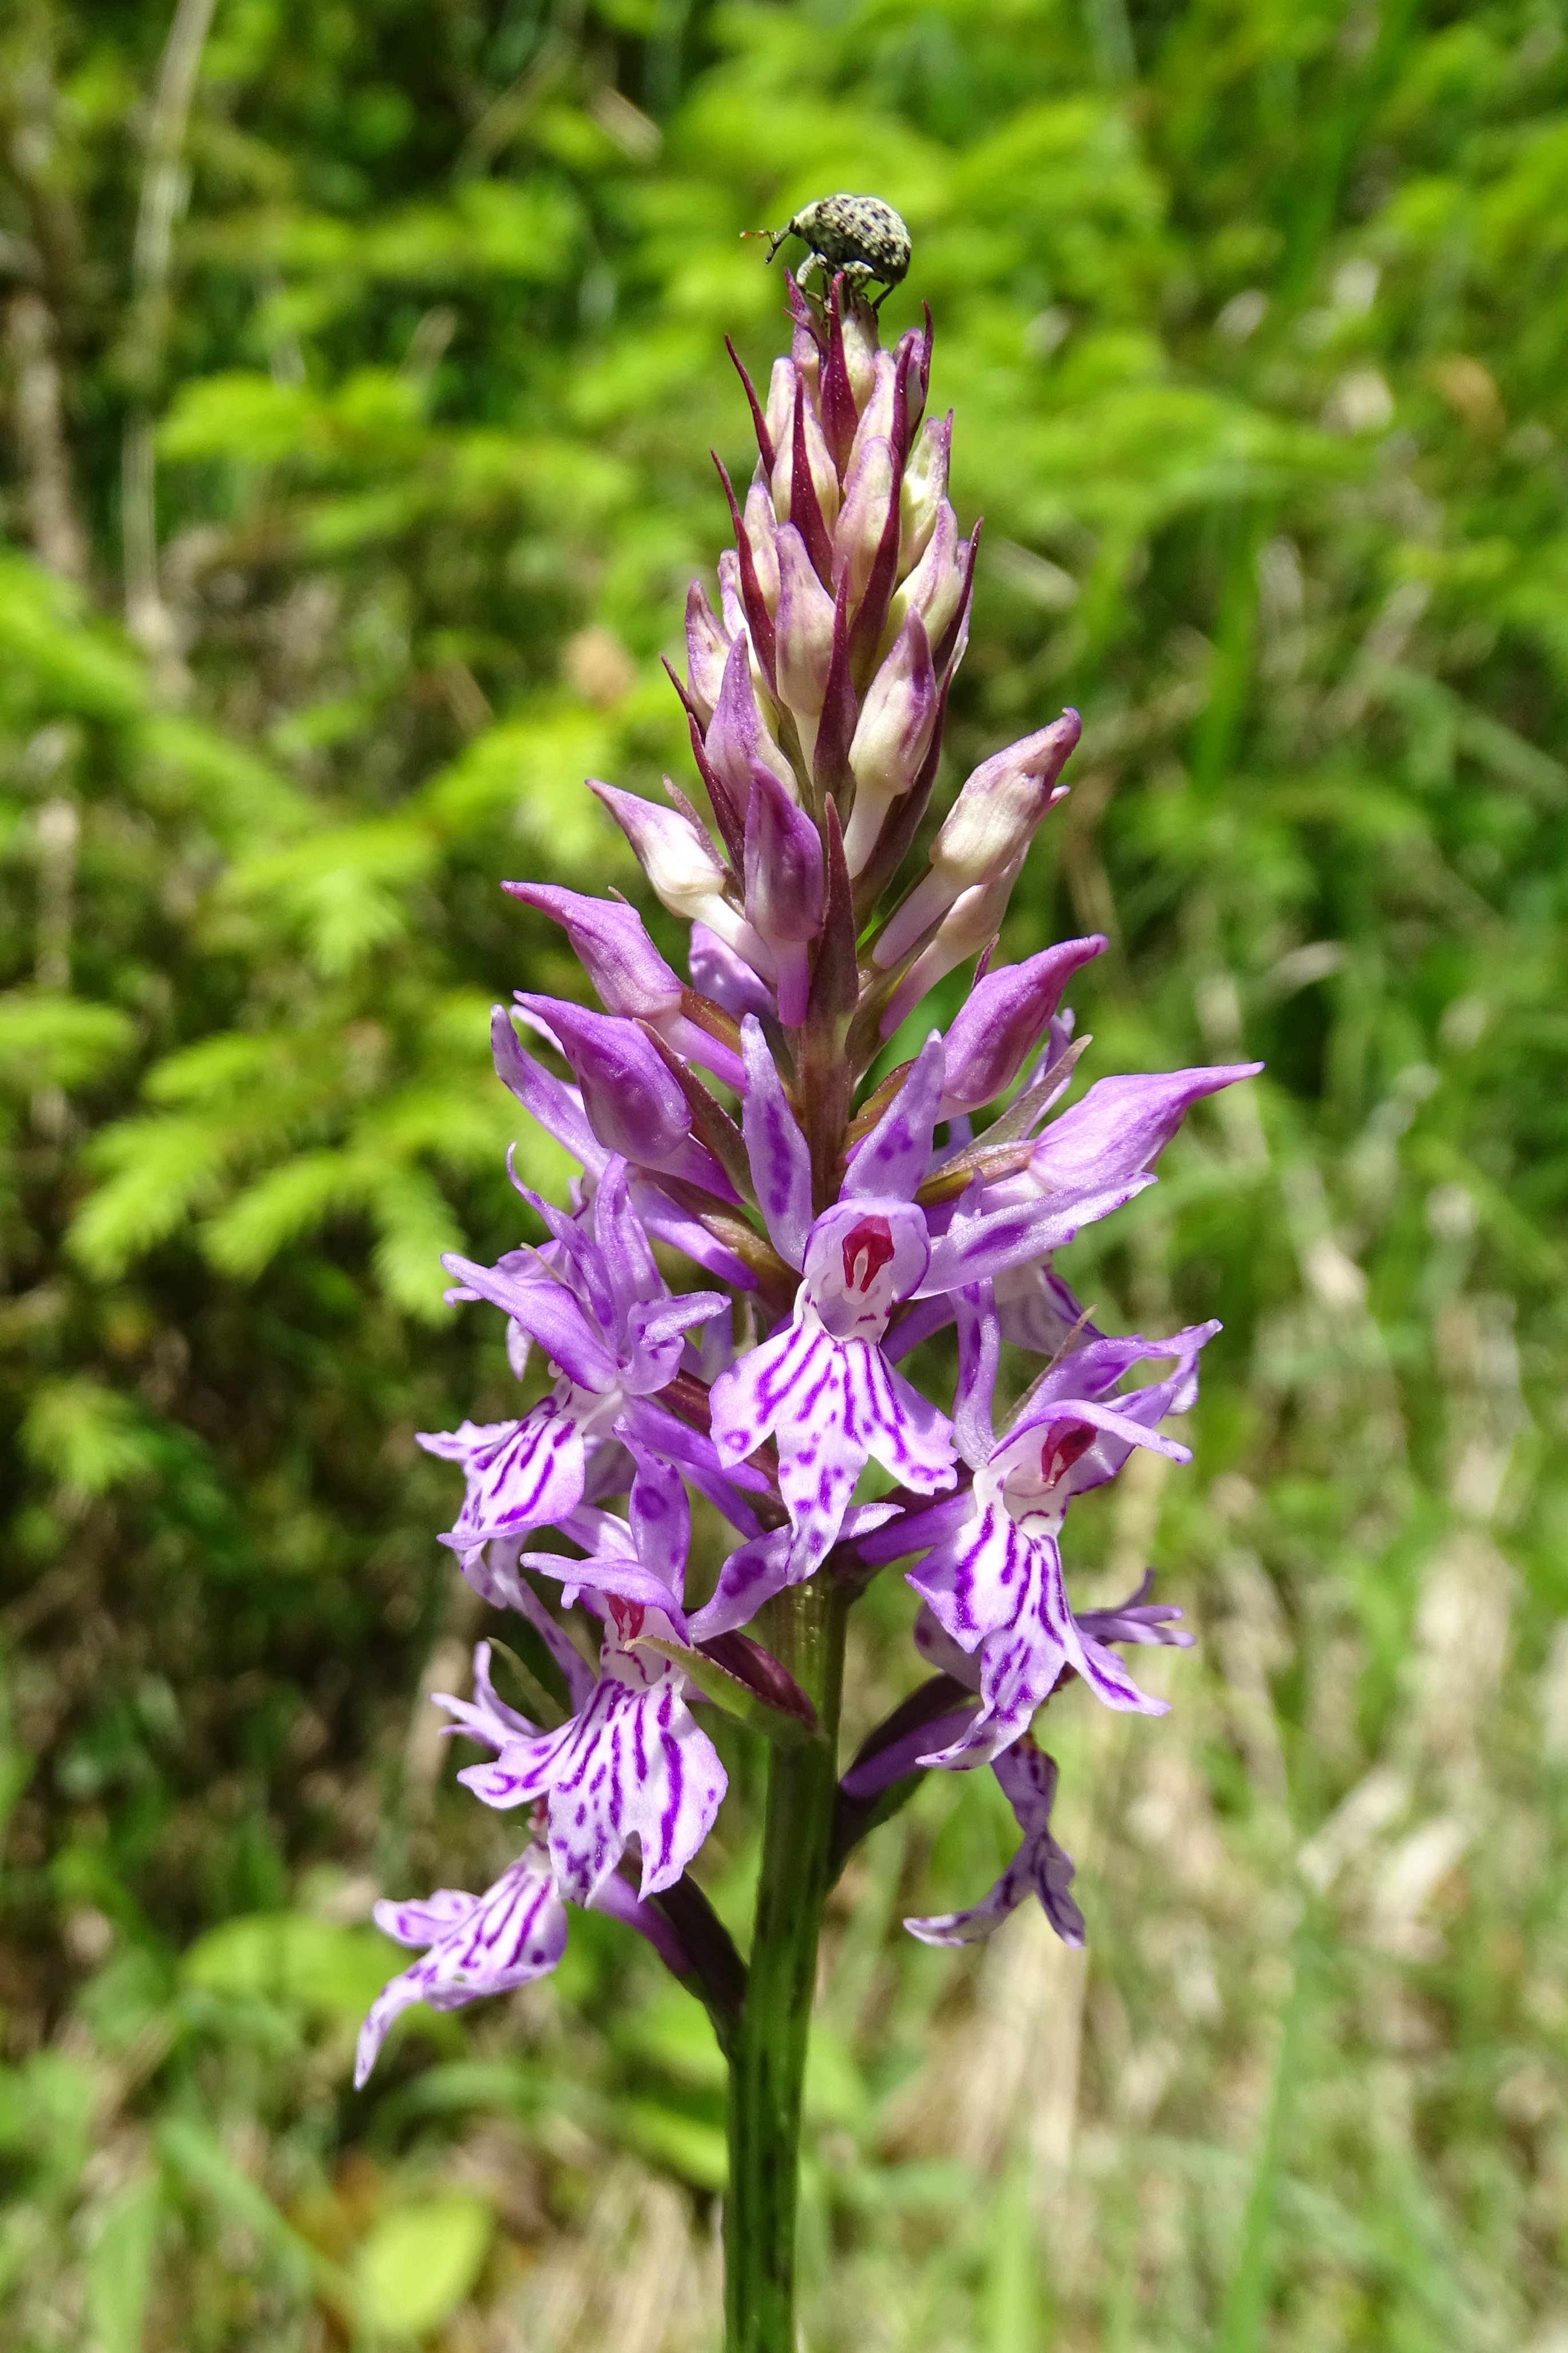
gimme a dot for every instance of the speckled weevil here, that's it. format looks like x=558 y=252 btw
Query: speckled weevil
x=860 y=235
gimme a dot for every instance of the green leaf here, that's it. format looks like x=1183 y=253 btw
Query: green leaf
x=119 y=2270
x=420 y=2263
x=63 y=1041
x=416 y=1226
x=684 y=2144
x=291 y=1959
x=348 y=889
x=157 y=1168
x=192 y=2153
x=529 y=771
x=282 y=1207
x=53 y=657
x=186 y=764
x=90 y=1438
x=241 y=414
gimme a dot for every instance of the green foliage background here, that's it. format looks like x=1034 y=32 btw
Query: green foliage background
x=361 y=363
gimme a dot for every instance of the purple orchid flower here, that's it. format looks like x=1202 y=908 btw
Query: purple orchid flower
x=561 y=1112
x=1040 y=1867
x=516 y=1931
x=991 y=1571
x=632 y=1763
x=610 y=1324
x=478 y=1945
x=1086 y=1165
x=632 y=978
x=821 y=1384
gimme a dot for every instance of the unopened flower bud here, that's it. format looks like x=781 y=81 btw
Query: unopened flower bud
x=918 y=380
x=924 y=488
x=804 y=636
x=860 y=353
x=706 y=651
x=867 y=495
x=971 y=921
x=985 y=833
x=785 y=888
x=935 y=587
x=730 y=603
x=632 y=978
x=1001 y=1020
x=891 y=739
x=720 y=973
x=634 y=1106
x=760 y=528
x=675 y=855
x=824 y=474
x=779 y=414
x=806 y=360
x=733 y=605
x=612 y=945
x=737 y=743
x=876 y=412
x=685 y=872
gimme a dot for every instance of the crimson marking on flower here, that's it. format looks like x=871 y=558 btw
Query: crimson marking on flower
x=868 y=1249
x=1062 y=1450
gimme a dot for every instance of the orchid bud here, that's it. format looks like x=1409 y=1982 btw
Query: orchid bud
x=680 y=862
x=634 y=1104
x=876 y=414
x=840 y=409
x=806 y=367
x=780 y=412
x=935 y=587
x=785 y=888
x=969 y=924
x=986 y=832
x=734 y=611
x=917 y=344
x=867 y=495
x=737 y=743
x=891 y=739
x=707 y=650
x=760 y=527
x=730 y=602
x=860 y=352
x=720 y=973
x=1001 y=1019
x=819 y=462
x=611 y=942
x=631 y=976
x=805 y=639
x=924 y=488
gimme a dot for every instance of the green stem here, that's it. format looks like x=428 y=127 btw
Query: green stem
x=768 y=2056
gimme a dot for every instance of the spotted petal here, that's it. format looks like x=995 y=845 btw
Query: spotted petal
x=478 y=1945
x=1040 y=1867
x=998 y=1588
x=634 y=1764
x=895 y=1156
x=779 y=1155
x=521 y=1474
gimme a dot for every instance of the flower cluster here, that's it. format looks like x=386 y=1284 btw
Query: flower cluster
x=724 y=1117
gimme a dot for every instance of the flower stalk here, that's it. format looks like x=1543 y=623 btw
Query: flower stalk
x=832 y=1218
x=767 y=2068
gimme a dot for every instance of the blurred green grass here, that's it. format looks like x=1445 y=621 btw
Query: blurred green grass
x=403 y=348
